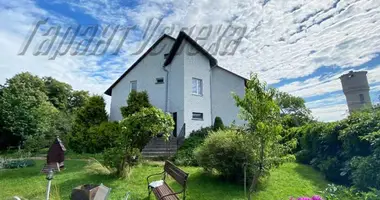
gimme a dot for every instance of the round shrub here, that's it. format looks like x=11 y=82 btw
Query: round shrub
x=226 y=152
x=218 y=123
x=185 y=154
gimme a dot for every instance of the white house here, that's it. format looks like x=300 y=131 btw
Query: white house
x=184 y=79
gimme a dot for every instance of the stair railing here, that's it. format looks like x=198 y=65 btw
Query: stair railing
x=181 y=136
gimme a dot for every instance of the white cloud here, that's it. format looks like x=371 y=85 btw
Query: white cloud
x=284 y=39
x=331 y=112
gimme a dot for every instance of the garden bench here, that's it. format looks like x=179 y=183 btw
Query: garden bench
x=161 y=189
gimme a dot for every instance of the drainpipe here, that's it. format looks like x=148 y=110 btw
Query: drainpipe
x=167 y=89
x=211 y=91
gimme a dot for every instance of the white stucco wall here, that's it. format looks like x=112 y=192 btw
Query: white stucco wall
x=196 y=66
x=176 y=85
x=145 y=73
x=223 y=104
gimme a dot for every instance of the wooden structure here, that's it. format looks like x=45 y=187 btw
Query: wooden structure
x=56 y=153
x=161 y=189
x=90 y=192
x=55 y=157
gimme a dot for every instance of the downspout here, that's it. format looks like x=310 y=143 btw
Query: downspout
x=167 y=89
x=211 y=91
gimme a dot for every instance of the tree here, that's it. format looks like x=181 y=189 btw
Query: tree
x=92 y=114
x=262 y=113
x=57 y=92
x=77 y=100
x=24 y=109
x=293 y=110
x=136 y=131
x=135 y=102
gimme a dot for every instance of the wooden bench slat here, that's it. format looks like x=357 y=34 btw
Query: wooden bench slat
x=178 y=175
x=164 y=190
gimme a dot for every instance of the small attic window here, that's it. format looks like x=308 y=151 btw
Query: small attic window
x=160 y=80
x=166 y=55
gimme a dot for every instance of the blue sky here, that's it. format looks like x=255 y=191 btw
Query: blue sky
x=300 y=47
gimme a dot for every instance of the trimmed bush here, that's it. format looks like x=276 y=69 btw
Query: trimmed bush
x=347 y=152
x=218 y=123
x=226 y=152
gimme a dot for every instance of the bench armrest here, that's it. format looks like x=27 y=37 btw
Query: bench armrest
x=147 y=178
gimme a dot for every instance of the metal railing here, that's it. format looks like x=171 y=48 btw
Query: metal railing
x=181 y=136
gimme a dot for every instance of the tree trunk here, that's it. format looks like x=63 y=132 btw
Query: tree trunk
x=257 y=175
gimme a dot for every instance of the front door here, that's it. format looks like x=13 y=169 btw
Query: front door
x=175 y=124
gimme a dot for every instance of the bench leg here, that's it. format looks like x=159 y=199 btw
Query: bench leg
x=149 y=191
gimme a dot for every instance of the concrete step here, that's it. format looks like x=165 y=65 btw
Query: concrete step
x=159 y=149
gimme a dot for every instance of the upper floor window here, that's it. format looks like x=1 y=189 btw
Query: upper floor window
x=160 y=80
x=361 y=96
x=197 y=88
x=133 y=85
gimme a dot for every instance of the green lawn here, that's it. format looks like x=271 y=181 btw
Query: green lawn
x=290 y=179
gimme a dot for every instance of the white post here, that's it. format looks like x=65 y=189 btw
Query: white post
x=48 y=190
x=49 y=177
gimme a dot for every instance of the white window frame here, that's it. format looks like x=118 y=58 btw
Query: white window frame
x=131 y=84
x=198 y=86
x=197 y=118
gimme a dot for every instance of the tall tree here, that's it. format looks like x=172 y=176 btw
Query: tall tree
x=293 y=109
x=135 y=102
x=24 y=109
x=58 y=92
x=260 y=110
x=78 y=99
x=93 y=113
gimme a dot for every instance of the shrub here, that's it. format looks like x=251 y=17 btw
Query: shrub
x=92 y=114
x=185 y=154
x=136 y=101
x=337 y=192
x=18 y=163
x=34 y=143
x=102 y=137
x=218 y=123
x=226 y=152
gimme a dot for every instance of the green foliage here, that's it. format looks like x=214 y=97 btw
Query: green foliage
x=218 y=123
x=102 y=137
x=136 y=101
x=92 y=114
x=57 y=92
x=185 y=154
x=225 y=151
x=19 y=163
x=347 y=152
x=136 y=131
x=293 y=110
x=24 y=109
x=77 y=100
x=259 y=108
x=337 y=192
x=36 y=109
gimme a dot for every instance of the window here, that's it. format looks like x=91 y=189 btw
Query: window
x=361 y=96
x=160 y=80
x=197 y=116
x=133 y=85
x=197 y=88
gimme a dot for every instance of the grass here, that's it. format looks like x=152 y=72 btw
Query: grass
x=289 y=180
